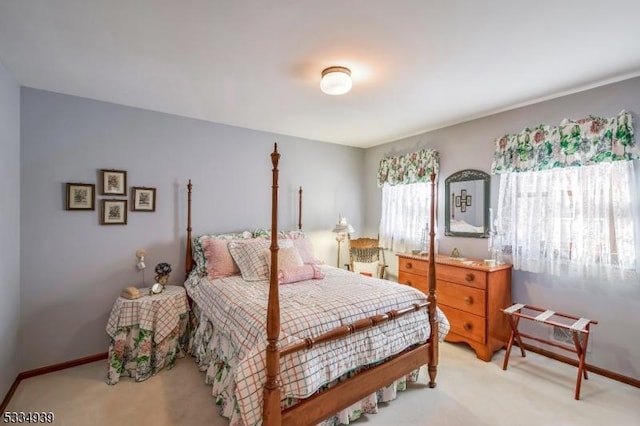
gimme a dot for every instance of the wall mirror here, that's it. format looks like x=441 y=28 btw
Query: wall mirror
x=467 y=204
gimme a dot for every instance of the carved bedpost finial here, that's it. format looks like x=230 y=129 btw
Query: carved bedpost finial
x=275 y=155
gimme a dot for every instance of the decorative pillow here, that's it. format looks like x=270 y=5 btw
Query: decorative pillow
x=370 y=269
x=250 y=256
x=299 y=273
x=305 y=248
x=218 y=258
x=288 y=257
x=198 y=251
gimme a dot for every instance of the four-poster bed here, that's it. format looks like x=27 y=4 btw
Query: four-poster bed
x=400 y=336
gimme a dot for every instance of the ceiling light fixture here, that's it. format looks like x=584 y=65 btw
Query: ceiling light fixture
x=336 y=80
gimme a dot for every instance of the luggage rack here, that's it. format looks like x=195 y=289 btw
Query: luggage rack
x=579 y=329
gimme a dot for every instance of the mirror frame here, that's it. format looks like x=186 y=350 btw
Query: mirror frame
x=466 y=176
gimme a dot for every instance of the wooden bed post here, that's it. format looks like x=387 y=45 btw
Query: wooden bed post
x=300 y=209
x=188 y=259
x=271 y=412
x=431 y=298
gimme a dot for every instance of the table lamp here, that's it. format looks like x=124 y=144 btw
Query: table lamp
x=342 y=229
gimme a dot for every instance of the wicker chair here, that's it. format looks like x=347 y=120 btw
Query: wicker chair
x=366 y=257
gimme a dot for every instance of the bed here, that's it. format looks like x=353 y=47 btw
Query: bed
x=459 y=225
x=285 y=339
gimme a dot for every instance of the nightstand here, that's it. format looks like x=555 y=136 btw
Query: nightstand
x=471 y=295
x=147 y=334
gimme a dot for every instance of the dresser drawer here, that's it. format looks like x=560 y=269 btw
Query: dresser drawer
x=465 y=324
x=468 y=299
x=454 y=274
x=416 y=281
x=413 y=266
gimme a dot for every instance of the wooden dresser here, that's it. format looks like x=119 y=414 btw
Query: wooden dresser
x=470 y=294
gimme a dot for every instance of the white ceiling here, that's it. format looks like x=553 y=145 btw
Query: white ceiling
x=416 y=65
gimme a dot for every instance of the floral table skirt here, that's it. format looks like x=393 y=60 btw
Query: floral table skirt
x=134 y=353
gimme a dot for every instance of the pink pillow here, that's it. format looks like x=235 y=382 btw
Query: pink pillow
x=306 y=251
x=288 y=257
x=299 y=273
x=218 y=258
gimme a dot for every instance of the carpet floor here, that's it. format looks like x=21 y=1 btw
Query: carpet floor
x=533 y=391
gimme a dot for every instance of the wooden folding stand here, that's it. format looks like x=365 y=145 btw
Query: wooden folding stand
x=579 y=330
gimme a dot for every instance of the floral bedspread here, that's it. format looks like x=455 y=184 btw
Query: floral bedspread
x=147 y=334
x=231 y=338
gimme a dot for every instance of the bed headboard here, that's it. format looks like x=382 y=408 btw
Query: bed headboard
x=188 y=259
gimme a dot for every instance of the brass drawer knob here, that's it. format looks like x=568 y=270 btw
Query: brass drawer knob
x=467 y=326
x=409 y=265
x=409 y=283
x=468 y=300
x=469 y=277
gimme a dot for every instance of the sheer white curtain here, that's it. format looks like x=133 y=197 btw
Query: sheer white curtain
x=575 y=221
x=405 y=216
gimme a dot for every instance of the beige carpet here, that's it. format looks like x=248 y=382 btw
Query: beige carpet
x=533 y=391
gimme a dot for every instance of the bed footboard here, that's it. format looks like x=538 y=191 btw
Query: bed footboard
x=320 y=406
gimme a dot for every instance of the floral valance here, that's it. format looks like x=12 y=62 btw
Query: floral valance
x=573 y=143
x=408 y=168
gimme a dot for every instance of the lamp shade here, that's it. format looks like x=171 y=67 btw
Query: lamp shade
x=336 y=80
x=343 y=227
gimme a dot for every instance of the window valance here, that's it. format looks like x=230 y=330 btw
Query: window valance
x=581 y=142
x=408 y=168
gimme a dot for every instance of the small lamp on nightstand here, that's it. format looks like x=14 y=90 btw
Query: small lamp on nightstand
x=342 y=229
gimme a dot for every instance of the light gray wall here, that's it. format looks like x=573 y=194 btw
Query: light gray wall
x=9 y=229
x=73 y=268
x=470 y=145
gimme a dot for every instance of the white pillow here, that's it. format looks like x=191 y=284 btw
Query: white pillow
x=251 y=257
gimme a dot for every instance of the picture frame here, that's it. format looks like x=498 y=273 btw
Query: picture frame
x=81 y=196
x=463 y=208
x=114 y=182
x=457 y=201
x=468 y=201
x=143 y=199
x=113 y=212
x=463 y=193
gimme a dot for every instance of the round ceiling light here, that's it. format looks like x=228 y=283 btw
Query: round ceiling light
x=336 y=80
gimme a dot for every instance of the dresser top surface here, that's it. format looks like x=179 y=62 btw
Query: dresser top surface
x=470 y=263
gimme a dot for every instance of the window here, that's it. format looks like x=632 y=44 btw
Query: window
x=404 y=216
x=406 y=194
x=565 y=197
x=575 y=221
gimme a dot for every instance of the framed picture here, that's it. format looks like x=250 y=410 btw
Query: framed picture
x=463 y=208
x=457 y=201
x=144 y=199
x=81 y=196
x=114 y=182
x=463 y=193
x=114 y=212
x=468 y=200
